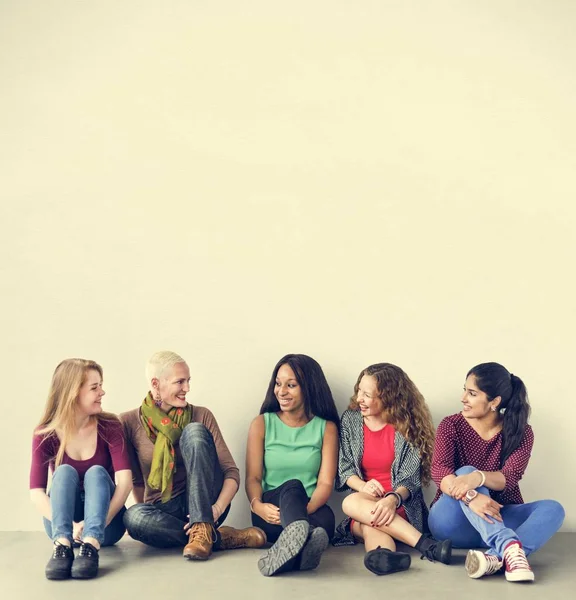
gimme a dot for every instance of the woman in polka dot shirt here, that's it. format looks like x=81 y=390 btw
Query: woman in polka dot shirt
x=480 y=455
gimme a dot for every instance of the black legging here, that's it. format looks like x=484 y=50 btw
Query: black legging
x=292 y=500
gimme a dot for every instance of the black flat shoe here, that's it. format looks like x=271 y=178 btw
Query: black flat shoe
x=60 y=563
x=86 y=564
x=383 y=561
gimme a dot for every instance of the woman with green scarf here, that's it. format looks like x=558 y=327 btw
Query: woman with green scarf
x=184 y=476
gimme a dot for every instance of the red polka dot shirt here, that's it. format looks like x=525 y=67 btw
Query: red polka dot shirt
x=458 y=445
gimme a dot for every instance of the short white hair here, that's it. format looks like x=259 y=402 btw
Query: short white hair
x=159 y=362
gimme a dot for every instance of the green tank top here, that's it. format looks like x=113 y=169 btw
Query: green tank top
x=292 y=452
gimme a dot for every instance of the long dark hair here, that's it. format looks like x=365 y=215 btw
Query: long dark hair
x=318 y=400
x=495 y=380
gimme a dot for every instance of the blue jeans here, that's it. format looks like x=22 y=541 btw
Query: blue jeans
x=162 y=524
x=533 y=524
x=69 y=504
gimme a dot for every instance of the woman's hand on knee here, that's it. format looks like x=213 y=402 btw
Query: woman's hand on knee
x=372 y=488
x=462 y=484
x=269 y=512
x=486 y=508
x=383 y=512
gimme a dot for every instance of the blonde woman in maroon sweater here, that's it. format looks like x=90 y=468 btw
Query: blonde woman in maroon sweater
x=84 y=448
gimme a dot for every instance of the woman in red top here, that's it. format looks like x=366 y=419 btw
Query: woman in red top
x=385 y=449
x=84 y=447
x=480 y=455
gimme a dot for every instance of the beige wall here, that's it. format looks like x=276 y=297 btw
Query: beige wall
x=359 y=181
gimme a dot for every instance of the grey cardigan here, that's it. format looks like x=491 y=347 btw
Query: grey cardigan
x=405 y=470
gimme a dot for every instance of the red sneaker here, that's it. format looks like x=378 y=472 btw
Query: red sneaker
x=517 y=567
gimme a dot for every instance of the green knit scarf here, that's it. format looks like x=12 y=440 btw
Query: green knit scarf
x=164 y=429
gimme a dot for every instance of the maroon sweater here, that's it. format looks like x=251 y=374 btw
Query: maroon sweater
x=458 y=445
x=111 y=453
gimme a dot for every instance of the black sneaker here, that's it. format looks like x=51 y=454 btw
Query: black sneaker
x=60 y=563
x=86 y=564
x=382 y=561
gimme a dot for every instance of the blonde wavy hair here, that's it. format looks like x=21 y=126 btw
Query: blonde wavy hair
x=405 y=409
x=59 y=417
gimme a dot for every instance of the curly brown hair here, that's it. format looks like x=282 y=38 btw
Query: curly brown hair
x=405 y=408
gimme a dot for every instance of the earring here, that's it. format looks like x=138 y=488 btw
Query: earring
x=157 y=399
x=493 y=408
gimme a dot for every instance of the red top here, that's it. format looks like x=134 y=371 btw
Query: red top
x=378 y=457
x=458 y=445
x=111 y=453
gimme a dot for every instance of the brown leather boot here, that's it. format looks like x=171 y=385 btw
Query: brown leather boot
x=201 y=538
x=251 y=537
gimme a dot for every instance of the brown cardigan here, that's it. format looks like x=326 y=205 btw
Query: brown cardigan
x=141 y=448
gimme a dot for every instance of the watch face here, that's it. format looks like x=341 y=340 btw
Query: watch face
x=471 y=494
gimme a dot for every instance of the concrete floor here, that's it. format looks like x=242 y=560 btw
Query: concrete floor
x=131 y=569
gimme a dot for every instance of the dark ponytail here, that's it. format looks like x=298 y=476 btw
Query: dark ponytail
x=495 y=380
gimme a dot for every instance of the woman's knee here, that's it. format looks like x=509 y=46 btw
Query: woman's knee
x=66 y=471
x=555 y=510
x=293 y=485
x=350 y=503
x=65 y=477
x=465 y=470
x=96 y=472
x=196 y=429
x=135 y=515
x=194 y=433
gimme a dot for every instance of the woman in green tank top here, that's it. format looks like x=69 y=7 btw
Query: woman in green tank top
x=291 y=463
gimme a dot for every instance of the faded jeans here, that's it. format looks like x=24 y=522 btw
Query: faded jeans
x=161 y=524
x=70 y=503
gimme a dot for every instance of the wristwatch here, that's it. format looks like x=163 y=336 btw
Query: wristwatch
x=470 y=495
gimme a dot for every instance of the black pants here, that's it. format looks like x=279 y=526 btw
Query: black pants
x=292 y=500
